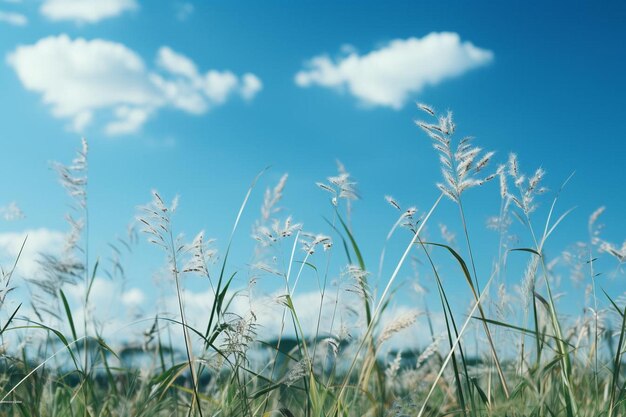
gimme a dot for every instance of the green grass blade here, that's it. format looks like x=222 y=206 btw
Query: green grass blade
x=93 y=278
x=230 y=241
x=477 y=296
x=525 y=250
x=10 y=319
x=68 y=313
x=521 y=329
x=481 y=393
x=344 y=243
x=617 y=362
x=461 y=262
x=355 y=246
x=615 y=306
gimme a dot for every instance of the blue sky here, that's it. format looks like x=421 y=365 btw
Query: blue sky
x=195 y=99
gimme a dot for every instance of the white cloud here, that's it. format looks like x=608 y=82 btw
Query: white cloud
x=128 y=120
x=15 y=19
x=11 y=212
x=39 y=241
x=78 y=78
x=133 y=297
x=184 y=11
x=180 y=94
x=85 y=11
x=176 y=64
x=81 y=120
x=218 y=85
x=389 y=75
x=251 y=86
x=196 y=92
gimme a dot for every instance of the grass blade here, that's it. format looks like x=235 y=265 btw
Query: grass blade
x=68 y=313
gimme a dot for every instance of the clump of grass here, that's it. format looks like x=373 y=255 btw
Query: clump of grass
x=531 y=358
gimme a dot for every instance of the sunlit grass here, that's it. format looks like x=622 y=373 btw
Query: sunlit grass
x=532 y=361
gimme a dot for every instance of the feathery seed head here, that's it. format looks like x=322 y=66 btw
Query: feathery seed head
x=400 y=323
x=593 y=227
x=458 y=167
x=533 y=182
x=428 y=352
x=513 y=166
x=394 y=367
x=311 y=241
x=392 y=202
x=200 y=255
x=504 y=191
x=297 y=372
x=426 y=108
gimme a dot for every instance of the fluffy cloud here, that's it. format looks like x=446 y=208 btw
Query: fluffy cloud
x=194 y=92
x=85 y=11
x=184 y=11
x=133 y=297
x=82 y=77
x=11 y=212
x=128 y=120
x=14 y=19
x=389 y=75
x=39 y=241
x=76 y=77
x=251 y=85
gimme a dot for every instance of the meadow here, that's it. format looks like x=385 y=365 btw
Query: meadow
x=532 y=359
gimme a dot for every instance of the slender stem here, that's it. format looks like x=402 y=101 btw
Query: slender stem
x=469 y=246
x=477 y=296
x=381 y=301
x=595 y=316
x=194 y=378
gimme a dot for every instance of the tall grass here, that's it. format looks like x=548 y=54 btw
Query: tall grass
x=532 y=359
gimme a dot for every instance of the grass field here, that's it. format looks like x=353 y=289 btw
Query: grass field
x=532 y=361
